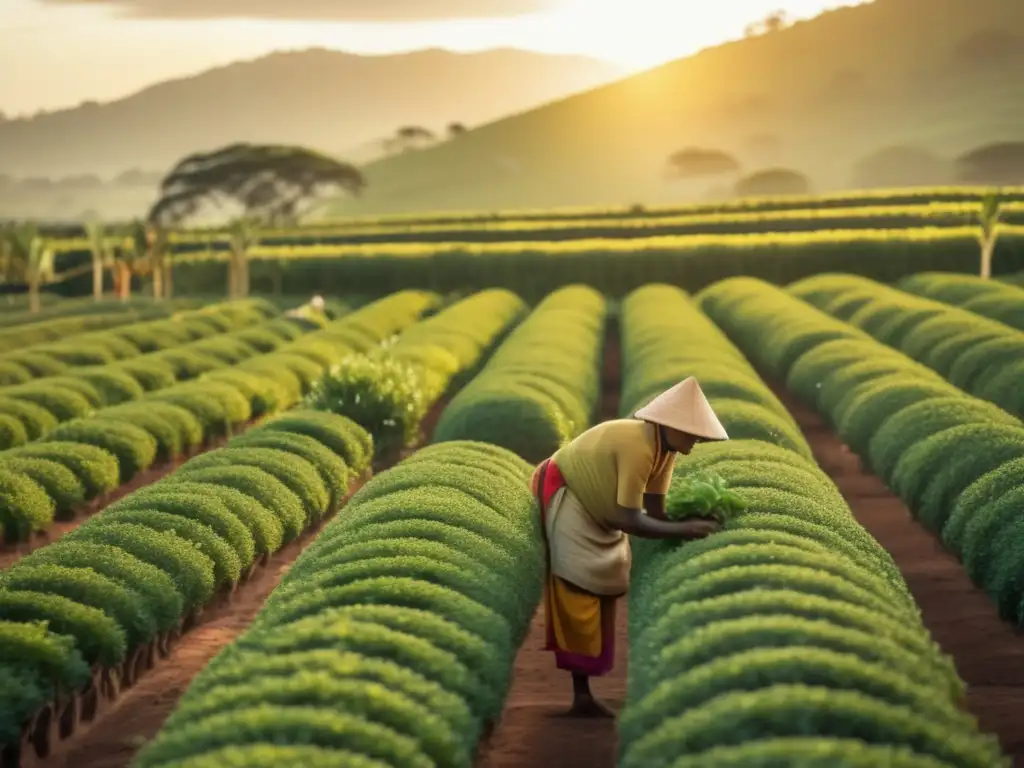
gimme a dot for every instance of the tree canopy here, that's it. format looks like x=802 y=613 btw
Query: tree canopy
x=271 y=183
x=773 y=181
x=697 y=162
x=901 y=166
x=1001 y=163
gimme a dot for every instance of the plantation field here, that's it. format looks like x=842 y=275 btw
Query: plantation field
x=213 y=553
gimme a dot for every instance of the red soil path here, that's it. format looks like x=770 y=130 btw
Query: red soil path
x=989 y=654
x=531 y=733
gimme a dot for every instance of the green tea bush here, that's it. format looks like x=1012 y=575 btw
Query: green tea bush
x=96 y=468
x=12 y=373
x=391 y=640
x=12 y=432
x=544 y=378
x=383 y=395
x=25 y=507
x=134 y=448
x=336 y=475
x=993 y=299
x=61 y=484
x=927 y=440
x=35 y=664
x=62 y=403
x=967 y=349
x=390 y=389
x=344 y=437
x=792 y=627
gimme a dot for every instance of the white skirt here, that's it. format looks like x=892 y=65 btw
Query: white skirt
x=584 y=553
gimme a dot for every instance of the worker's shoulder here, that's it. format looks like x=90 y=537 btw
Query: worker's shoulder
x=622 y=431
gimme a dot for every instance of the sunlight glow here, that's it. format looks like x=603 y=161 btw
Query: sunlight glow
x=67 y=54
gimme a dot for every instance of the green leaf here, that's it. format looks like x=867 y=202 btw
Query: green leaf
x=701 y=495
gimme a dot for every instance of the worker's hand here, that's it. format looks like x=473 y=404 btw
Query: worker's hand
x=702 y=528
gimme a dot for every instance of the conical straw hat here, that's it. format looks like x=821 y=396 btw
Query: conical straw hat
x=685 y=408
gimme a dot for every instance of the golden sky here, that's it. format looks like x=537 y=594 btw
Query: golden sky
x=67 y=51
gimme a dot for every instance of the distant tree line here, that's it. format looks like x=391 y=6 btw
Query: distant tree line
x=999 y=163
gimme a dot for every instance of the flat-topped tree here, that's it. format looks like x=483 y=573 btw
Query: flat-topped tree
x=700 y=162
x=271 y=183
x=266 y=184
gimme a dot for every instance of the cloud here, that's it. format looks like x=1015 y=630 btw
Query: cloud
x=317 y=10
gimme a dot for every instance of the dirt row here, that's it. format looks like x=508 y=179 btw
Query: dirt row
x=532 y=732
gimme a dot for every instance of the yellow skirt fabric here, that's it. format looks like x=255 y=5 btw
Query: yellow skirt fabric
x=575 y=619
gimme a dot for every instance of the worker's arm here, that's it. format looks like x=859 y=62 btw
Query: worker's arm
x=636 y=522
x=654 y=504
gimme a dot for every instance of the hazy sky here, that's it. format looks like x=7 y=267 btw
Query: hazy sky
x=60 y=52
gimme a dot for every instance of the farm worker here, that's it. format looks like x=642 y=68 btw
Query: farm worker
x=609 y=482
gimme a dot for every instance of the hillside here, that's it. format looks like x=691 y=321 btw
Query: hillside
x=337 y=102
x=936 y=76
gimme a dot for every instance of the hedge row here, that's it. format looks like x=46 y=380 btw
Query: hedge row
x=391 y=640
x=791 y=633
x=981 y=356
x=957 y=461
x=25 y=330
x=14 y=309
x=42 y=404
x=990 y=298
x=613 y=267
x=126 y=342
x=87 y=457
x=854 y=199
x=138 y=568
x=558 y=230
x=454 y=342
x=541 y=386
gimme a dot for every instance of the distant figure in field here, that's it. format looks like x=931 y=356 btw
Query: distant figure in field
x=609 y=482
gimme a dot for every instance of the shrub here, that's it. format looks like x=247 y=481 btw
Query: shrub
x=25 y=508
x=134 y=448
x=95 y=467
x=34 y=419
x=61 y=484
x=383 y=395
x=347 y=439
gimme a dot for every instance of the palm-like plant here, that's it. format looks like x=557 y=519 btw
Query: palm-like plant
x=27 y=258
x=988 y=217
x=145 y=253
x=99 y=247
x=245 y=234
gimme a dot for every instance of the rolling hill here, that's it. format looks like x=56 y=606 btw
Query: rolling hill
x=335 y=102
x=935 y=78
